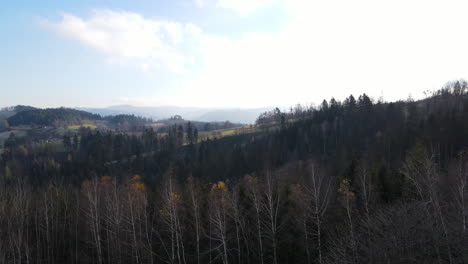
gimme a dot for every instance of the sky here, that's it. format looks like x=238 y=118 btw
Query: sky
x=227 y=53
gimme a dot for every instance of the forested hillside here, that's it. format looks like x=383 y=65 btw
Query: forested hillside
x=50 y=116
x=352 y=181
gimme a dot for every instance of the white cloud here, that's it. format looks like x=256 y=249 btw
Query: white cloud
x=326 y=48
x=129 y=38
x=244 y=6
x=335 y=48
x=200 y=3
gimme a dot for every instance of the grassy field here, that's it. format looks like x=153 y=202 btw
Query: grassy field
x=227 y=132
x=4 y=135
x=76 y=127
x=156 y=125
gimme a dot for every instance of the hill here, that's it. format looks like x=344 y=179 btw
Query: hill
x=352 y=181
x=7 y=112
x=50 y=116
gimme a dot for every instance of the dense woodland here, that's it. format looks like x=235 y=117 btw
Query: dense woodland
x=50 y=116
x=353 y=181
x=63 y=117
x=26 y=115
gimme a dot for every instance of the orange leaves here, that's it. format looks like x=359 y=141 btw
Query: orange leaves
x=219 y=194
x=164 y=212
x=136 y=185
x=86 y=185
x=219 y=186
x=136 y=178
x=103 y=184
x=345 y=190
x=105 y=180
x=175 y=197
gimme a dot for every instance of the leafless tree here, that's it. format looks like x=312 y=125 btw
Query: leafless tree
x=136 y=203
x=237 y=214
x=303 y=213
x=460 y=193
x=194 y=194
x=319 y=189
x=171 y=200
x=270 y=206
x=421 y=170
x=3 y=222
x=92 y=212
x=18 y=208
x=366 y=193
x=347 y=199
x=219 y=206
x=114 y=219
x=253 y=192
x=461 y=190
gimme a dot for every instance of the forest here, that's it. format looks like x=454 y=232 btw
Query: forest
x=47 y=117
x=355 y=181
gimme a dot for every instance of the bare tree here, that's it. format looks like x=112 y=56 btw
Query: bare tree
x=170 y=213
x=19 y=206
x=365 y=194
x=347 y=198
x=271 y=205
x=114 y=219
x=319 y=189
x=461 y=190
x=219 y=213
x=3 y=223
x=460 y=194
x=52 y=218
x=302 y=214
x=92 y=211
x=238 y=217
x=312 y=199
x=421 y=170
x=253 y=192
x=136 y=203
x=194 y=193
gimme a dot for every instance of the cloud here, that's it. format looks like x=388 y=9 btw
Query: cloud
x=244 y=7
x=129 y=38
x=324 y=49
x=200 y=3
x=336 y=48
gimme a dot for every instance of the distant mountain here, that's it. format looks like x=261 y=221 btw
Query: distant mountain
x=50 y=116
x=6 y=112
x=244 y=116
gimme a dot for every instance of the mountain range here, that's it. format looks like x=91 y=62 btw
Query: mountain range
x=235 y=115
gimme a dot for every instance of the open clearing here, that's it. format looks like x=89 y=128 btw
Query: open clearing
x=76 y=127
x=4 y=135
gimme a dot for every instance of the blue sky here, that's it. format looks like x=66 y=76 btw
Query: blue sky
x=226 y=53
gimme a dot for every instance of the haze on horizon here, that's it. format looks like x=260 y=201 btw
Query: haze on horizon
x=226 y=53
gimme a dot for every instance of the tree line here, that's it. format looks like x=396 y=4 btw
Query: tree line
x=66 y=116
x=358 y=181
x=297 y=214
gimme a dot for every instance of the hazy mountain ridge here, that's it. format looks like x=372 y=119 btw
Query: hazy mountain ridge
x=235 y=115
